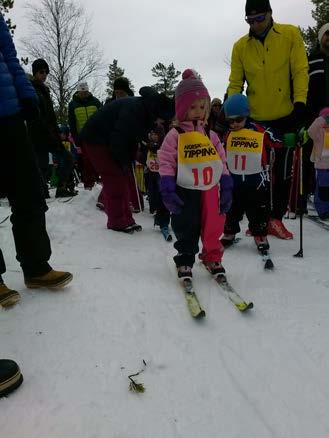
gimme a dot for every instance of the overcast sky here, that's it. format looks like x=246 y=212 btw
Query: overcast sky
x=194 y=33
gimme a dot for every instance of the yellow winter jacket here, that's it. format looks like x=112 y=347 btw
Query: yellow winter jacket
x=276 y=72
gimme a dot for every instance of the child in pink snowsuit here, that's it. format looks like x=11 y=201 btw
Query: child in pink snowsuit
x=319 y=132
x=195 y=183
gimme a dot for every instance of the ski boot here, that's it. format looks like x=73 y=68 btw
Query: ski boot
x=276 y=228
x=262 y=243
x=215 y=268
x=227 y=240
x=184 y=272
x=136 y=227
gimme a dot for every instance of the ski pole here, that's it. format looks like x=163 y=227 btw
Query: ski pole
x=300 y=253
x=136 y=187
x=272 y=159
x=77 y=178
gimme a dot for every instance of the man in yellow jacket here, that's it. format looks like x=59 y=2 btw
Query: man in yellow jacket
x=272 y=60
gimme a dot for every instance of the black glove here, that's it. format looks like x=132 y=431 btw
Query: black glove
x=299 y=115
x=30 y=109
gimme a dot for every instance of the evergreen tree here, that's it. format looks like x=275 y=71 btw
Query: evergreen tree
x=167 y=78
x=114 y=73
x=5 y=6
x=320 y=15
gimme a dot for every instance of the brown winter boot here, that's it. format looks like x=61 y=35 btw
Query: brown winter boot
x=51 y=280
x=8 y=297
x=10 y=377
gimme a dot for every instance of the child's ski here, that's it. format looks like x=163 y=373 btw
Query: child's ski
x=232 y=294
x=2 y=221
x=192 y=299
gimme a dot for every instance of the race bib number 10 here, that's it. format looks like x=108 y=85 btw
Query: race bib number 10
x=199 y=165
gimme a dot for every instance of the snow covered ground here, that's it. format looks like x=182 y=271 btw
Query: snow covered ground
x=257 y=375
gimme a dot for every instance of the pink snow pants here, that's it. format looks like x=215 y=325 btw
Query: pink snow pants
x=212 y=226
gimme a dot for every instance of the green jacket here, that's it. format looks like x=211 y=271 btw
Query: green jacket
x=276 y=71
x=80 y=111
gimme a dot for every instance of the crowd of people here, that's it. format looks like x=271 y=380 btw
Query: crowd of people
x=202 y=163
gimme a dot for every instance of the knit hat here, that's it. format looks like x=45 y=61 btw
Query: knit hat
x=188 y=90
x=39 y=64
x=324 y=112
x=64 y=129
x=122 y=83
x=322 y=31
x=216 y=101
x=236 y=106
x=82 y=86
x=159 y=131
x=254 y=7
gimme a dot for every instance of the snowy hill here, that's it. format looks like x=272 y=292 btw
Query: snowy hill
x=258 y=375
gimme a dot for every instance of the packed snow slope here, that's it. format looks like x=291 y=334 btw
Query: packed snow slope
x=258 y=375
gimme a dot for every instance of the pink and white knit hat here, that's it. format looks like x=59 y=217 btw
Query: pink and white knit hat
x=188 y=90
x=324 y=112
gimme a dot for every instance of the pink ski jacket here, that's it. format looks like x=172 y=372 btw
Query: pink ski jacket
x=168 y=151
x=317 y=131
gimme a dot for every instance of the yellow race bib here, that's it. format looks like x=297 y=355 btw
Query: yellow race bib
x=199 y=165
x=152 y=161
x=244 y=151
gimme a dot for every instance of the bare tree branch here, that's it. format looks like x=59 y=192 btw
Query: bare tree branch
x=60 y=34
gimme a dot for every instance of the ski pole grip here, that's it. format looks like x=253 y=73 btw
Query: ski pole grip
x=289 y=140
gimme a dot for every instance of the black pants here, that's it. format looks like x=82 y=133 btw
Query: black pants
x=281 y=182
x=162 y=215
x=20 y=182
x=252 y=201
x=282 y=166
x=65 y=167
x=187 y=226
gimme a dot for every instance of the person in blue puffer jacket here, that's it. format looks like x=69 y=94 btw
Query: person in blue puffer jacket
x=20 y=179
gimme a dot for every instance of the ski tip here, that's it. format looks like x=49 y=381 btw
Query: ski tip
x=243 y=307
x=269 y=265
x=200 y=315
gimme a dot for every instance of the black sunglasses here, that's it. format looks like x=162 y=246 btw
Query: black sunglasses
x=235 y=119
x=43 y=72
x=258 y=18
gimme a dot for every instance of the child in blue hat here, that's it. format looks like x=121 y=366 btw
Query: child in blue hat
x=248 y=148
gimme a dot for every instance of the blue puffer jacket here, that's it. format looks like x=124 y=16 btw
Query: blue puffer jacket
x=14 y=84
